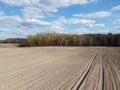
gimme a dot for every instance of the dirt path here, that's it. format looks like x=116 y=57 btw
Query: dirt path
x=60 y=68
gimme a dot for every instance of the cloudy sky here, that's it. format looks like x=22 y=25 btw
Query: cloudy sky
x=18 y=18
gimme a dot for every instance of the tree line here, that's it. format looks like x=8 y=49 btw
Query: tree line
x=55 y=39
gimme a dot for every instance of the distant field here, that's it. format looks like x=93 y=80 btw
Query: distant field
x=60 y=68
x=7 y=45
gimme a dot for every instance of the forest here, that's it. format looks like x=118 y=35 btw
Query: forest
x=56 y=39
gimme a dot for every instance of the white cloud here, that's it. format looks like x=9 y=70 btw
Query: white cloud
x=81 y=22
x=55 y=28
x=49 y=14
x=79 y=31
x=46 y=5
x=85 y=22
x=116 y=8
x=17 y=2
x=117 y=28
x=20 y=32
x=56 y=3
x=99 y=25
x=99 y=14
x=117 y=21
x=32 y=12
x=61 y=21
x=33 y=23
x=82 y=29
x=7 y=22
x=1 y=13
x=36 y=9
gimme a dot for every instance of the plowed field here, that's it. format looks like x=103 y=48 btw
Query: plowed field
x=60 y=68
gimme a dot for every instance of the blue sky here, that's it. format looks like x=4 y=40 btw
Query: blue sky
x=19 y=18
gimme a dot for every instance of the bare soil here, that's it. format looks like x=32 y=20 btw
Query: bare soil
x=60 y=68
